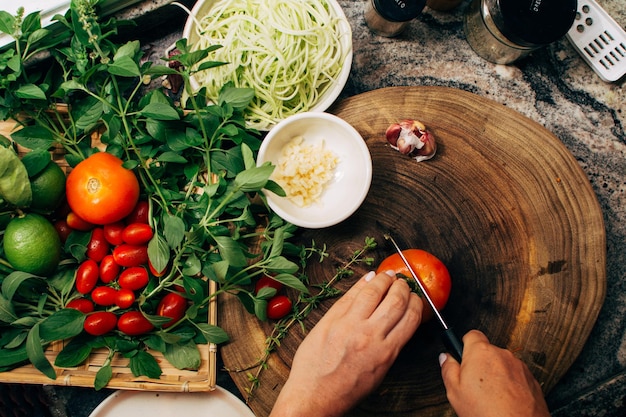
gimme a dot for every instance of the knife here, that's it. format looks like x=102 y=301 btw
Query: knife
x=450 y=339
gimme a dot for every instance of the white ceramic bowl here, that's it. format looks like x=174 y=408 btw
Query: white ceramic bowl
x=203 y=7
x=352 y=178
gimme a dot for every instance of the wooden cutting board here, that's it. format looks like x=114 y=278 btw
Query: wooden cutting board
x=503 y=204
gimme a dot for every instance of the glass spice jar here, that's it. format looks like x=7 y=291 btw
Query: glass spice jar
x=503 y=31
x=389 y=18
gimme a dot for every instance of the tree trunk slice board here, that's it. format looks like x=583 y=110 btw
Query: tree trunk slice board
x=503 y=204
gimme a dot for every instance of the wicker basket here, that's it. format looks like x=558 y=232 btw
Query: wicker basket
x=172 y=379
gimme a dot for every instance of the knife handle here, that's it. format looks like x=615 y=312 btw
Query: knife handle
x=453 y=344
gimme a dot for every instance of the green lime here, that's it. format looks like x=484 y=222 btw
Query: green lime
x=48 y=188
x=32 y=244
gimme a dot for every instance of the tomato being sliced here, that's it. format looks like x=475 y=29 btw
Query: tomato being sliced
x=100 y=190
x=430 y=270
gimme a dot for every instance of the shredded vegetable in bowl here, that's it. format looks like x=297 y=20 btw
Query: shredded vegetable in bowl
x=295 y=54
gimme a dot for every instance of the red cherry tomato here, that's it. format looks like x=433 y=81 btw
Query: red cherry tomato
x=87 y=276
x=125 y=298
x=99 y=323
x=113 y=233
x=76 y=223
x=134 y=323
x=81 y=304
x=109 y=269
x=98 y=247
x=278 y=307
x=62 y=228
x=134 y=278
x=137 y=234
x=130 y=255
x=104 y=296
x=172 y=305
x=267 y=281
x=140 y=213
x=430 y=270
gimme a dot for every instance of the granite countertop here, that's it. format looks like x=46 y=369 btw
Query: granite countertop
x=553 y=87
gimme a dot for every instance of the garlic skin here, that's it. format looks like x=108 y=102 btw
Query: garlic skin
x=410 y=137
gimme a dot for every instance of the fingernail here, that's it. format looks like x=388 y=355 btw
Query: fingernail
x=391 y=273
x=442 y=358
x=369 y=276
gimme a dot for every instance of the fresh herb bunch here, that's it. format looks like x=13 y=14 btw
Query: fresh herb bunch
x=197 y=169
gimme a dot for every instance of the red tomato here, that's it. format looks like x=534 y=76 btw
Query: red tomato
x=134 y=278
x=113 y=233
x=98 y=247
x=76 y=223
x=81 y=304
x=100 y=190
x=130 y=255
x=429 y=269
x=104 y=296
x=87 y=276
x=140 y=213
x=267 y=281
x=134 y=323
x=125 y=298
x=137 y=234
x=109 y=269
x=99 y=323
x=278 y=307
x=172 y=305
x=62 y=228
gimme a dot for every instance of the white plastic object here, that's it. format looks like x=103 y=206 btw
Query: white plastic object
x=600 y=40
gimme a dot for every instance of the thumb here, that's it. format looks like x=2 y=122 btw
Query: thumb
x=450 y=370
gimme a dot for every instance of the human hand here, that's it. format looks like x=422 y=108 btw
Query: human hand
x=491 y=382
x=349 y=351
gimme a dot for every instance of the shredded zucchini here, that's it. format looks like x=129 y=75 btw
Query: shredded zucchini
x=288 y=51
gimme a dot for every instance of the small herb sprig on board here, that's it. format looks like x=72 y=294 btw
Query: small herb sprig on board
x=197 y=169
x=305 y=305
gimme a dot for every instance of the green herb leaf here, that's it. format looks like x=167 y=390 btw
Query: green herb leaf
x=7 y=312
x=183 y=356
x=124 y=67
x=30 y=91
x=145 y=364
x=14 y=184
x=160 y=111
x=36 y=355
x=7 y=22
x=13 y=281
x=174 y=230
x=213 y=334
x=254 y=179
x=73 y=354
x=62 y=324
x=33 y=138
x=103 y=376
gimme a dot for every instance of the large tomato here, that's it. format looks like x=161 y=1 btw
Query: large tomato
x=100 y=190
x=429 y=269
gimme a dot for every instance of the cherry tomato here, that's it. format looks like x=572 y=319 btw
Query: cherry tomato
x=98 y=247
x=125 y=298
x=104 y=296
x=137 y=234
x=140 y=213
x=62 y=229
x=267 y=281
x=130 y=255
x=134 y=323
x=172 y=305
x=99 y=323
x=109 y=269
x=76 y=223
x=134 y=278
x=87 y=276
x=100 y=190
x=81 y=304
x=278 y=307
x=113 y=233
x=430 y=270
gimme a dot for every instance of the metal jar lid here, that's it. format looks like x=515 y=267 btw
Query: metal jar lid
x=399 y=10
x=532 y=22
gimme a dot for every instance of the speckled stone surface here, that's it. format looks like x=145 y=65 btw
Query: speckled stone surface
x=553 y=87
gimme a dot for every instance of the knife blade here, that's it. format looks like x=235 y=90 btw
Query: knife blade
x=449 y=337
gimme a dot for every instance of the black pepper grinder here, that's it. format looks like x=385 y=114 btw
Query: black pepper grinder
x=390 y=17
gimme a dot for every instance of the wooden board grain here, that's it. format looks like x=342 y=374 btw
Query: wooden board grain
x=507 y=208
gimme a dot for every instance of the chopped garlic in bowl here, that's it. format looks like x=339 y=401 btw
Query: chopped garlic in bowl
x=322 y=163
